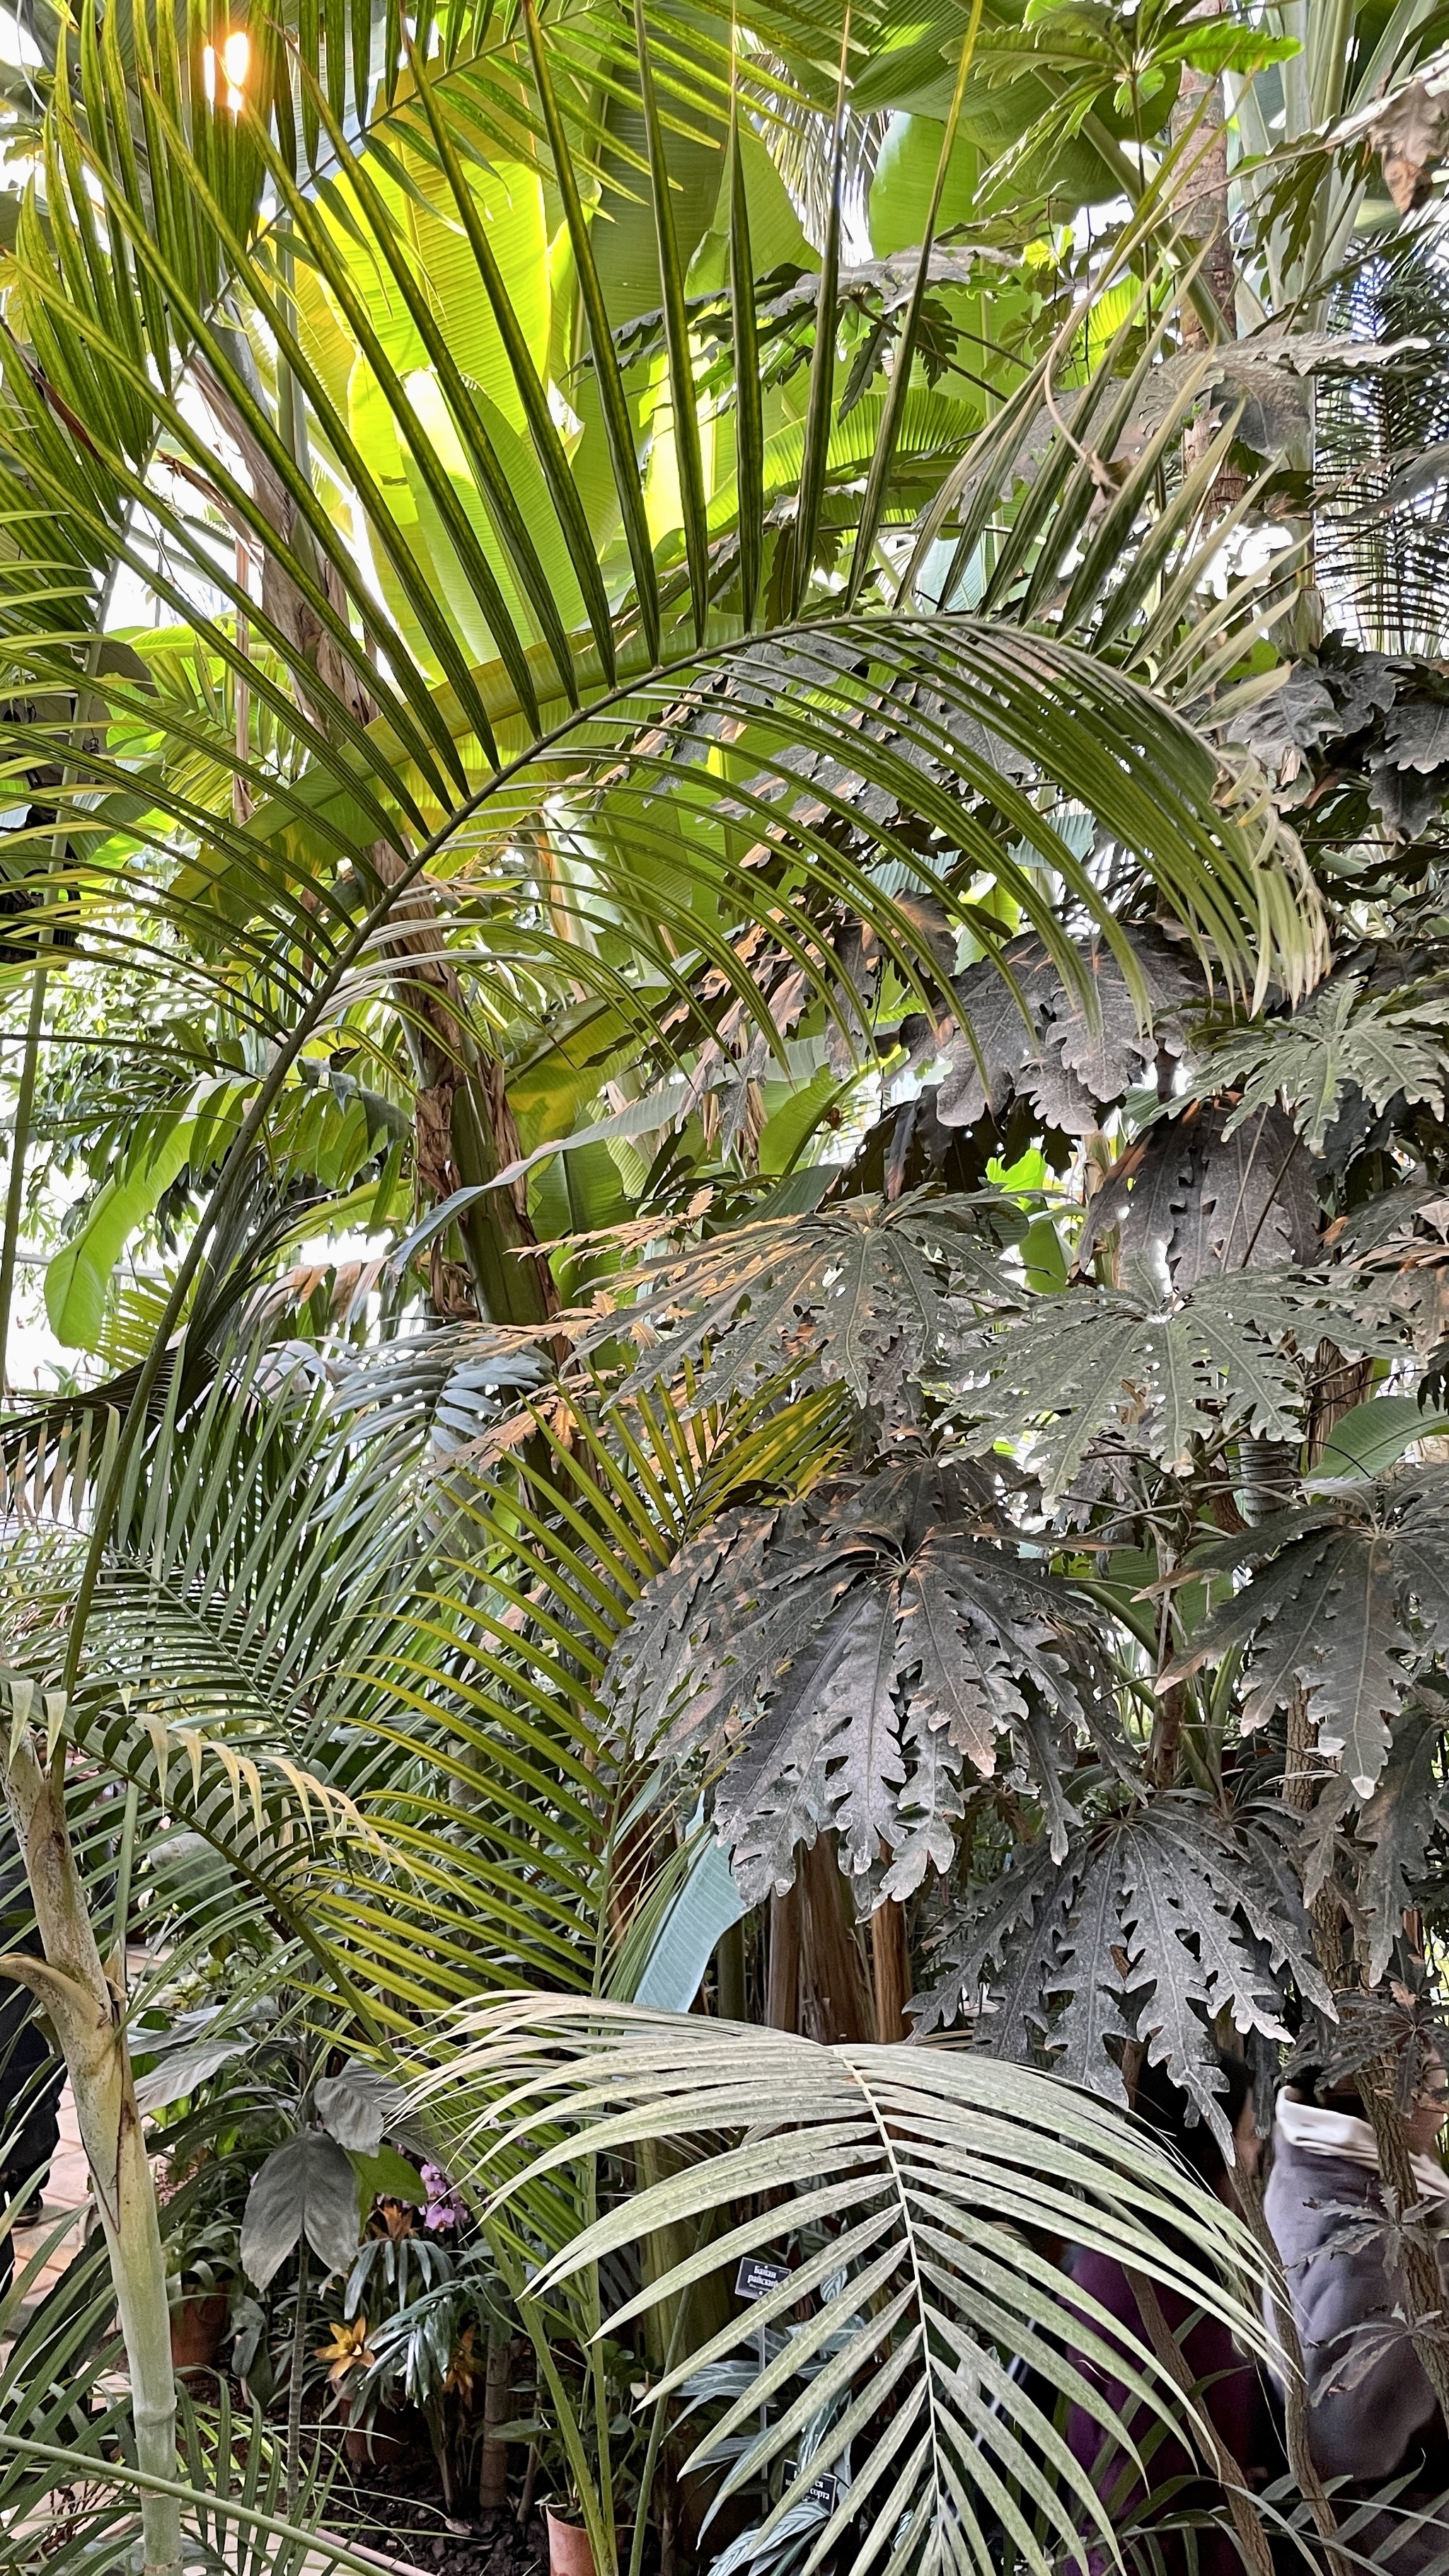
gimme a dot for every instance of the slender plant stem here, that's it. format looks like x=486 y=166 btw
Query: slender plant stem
x=15 y=1191
x=656 y=2436
x=1247 y=2521
x=294 y=2385
x=70 y=1982
x=1295 y=2402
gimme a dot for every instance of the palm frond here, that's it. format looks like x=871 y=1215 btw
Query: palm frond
x=912 y=2182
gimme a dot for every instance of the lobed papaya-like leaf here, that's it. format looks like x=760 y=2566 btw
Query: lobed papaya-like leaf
x=1348 y=1601
x=1207 y=1191
x=864 y=1292
x=1342 y=1040
x=856 y=1659
x=1160 y=1923
x=1023 y=1032
x=1225 y=1361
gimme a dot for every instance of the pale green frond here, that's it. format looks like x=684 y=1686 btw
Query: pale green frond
x=932 y=2171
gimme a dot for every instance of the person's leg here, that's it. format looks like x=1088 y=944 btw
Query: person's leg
x=32 y=2079
x=38 y=2136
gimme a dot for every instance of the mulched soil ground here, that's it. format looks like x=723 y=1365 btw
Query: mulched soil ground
x=400 y=2511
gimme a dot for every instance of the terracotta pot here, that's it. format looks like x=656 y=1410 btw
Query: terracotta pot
x=570 y=2550
x=378 y=2444
x=197 y=2325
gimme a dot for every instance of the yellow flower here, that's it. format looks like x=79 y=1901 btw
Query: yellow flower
x=348 y=2350
x=466 y=2367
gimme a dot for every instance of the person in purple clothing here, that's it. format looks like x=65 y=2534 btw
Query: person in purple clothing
x=1231 y=2390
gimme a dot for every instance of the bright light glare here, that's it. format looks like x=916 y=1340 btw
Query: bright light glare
x=236 y=57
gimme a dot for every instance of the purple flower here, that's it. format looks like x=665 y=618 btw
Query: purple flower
x=444 y=2210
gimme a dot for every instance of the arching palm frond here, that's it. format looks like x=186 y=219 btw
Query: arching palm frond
x=352 y=1636
x=912 y=2187
x=433 y=672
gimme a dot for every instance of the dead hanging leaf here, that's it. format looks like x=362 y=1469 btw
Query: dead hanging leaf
x=1410 y=139
x=1409 y=132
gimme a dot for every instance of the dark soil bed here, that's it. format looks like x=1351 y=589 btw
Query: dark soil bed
x=399 y=2512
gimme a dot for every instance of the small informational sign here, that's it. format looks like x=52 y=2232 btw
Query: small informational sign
x=756 y=2278
x=824 y=2491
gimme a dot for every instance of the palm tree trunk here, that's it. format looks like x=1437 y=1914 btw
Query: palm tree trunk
x=85 y=2010
x=782 y=1985
x=890 y=1961
x=464 y=1134
x=463 y=1128
x=838 y=2004
x=817 y=1982
x=1199 y=124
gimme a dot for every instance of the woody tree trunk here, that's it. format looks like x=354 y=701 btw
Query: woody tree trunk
x=817 y=1975
x=71 y=1983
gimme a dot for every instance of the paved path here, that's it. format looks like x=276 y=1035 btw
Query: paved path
x=68 y=2189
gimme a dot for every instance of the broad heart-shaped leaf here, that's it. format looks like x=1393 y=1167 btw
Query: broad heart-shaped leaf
x=1022 y=1031
x=852 y=1658
x=858 y=1292
x=307 y=2187
x=357 y=2105
x=1219 y=1362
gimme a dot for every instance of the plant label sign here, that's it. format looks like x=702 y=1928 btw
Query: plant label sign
x=756 y=2278
x=824 y=2491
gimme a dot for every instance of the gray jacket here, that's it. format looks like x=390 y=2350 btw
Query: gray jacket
x=1319 y=2207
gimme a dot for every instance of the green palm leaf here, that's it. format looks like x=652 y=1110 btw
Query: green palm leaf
x=923 y=2176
